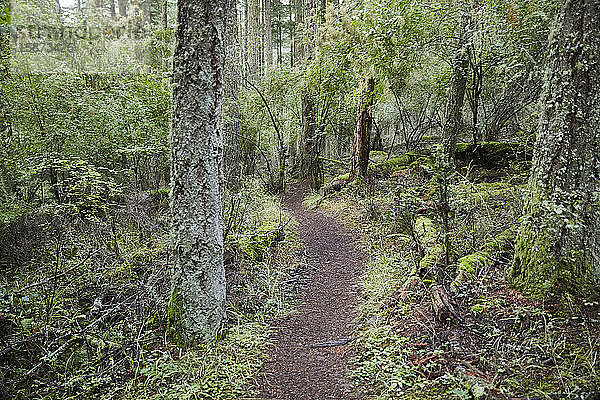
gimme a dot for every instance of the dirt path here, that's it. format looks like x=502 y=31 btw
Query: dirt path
x=327 y=306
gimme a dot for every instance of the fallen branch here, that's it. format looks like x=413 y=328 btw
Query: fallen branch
x=333 y=343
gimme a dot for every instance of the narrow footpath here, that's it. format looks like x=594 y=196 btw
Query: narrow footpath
x=312 y=346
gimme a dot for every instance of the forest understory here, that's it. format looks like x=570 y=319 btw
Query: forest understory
x=299 y=199
x=482 y=338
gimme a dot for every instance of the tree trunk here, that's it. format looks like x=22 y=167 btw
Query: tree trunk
x=268 y=45
x=280 y=35
x=310 y=163
x=122 y=8
x=113 y=9
x=231 y=126
x=558 y=245
x=294 y=12
x=298 y=46
x=5 y=57
x=253 y=38
x=165 y=14
x=362 y=132
x=197 y=304
x=454 y=106
x=307 y=145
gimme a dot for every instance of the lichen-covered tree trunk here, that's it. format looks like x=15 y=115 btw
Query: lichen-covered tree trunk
x=558 y=245
x=231 y=124
x=197 y=304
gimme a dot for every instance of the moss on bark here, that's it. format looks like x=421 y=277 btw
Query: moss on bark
x=558 y=246
x=175 y=317
x=539 y=272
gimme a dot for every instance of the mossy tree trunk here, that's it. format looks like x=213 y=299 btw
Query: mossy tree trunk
x=197 y=304
x=558 y=245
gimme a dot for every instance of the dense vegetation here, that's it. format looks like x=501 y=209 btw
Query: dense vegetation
x=416 y=122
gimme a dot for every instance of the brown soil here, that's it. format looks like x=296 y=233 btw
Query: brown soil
x=327 y=306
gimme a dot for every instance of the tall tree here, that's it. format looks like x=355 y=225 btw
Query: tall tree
x=164 y=13
x=231 y=125
x=558 y=245
x=197 y=304
x=362 y=132
x=5 y=55
x=122 y=8
x=309 y=143
x=268 y=27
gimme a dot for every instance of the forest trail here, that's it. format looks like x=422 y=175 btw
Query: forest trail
x=303 y=364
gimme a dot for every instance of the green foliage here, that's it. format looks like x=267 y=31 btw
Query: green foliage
x=85 y=137
x=214 y=371
x=85 y=309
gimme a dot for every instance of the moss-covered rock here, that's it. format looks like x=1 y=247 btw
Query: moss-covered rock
x=388 y=167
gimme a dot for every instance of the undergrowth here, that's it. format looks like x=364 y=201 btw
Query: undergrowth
x=501 y=344
x=83 y=301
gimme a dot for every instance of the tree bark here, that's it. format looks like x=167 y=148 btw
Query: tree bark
x=165 y=14
x=122 y=8
x=558 y=245
x=268 y=44
x=454 y=106
x=253 y=47
x=5 y=57
x=309 y=146
x=294 y=12
x=197 y=305
x=113 y=9
x=364 y=123
x=231 y=126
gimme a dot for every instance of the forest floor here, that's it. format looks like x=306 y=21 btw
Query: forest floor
x=311 y=350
